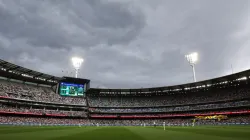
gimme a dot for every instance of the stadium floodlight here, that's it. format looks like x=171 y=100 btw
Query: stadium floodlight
x=77 y=62
x=192 y=59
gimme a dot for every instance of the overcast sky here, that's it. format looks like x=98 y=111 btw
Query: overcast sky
x=127 y=43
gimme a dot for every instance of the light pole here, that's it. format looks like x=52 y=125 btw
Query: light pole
x=77 y=62
x=192 y=59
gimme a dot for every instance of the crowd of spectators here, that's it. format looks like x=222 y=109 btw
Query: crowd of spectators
x=209 y=99
x=170 y=100
x=173 y=108
x=116 y=112
x=232 y=120
x=187 y=113
x=23 y=109
x=40 y=120
x=19 y=90
x=43 y=121
x=35 y=93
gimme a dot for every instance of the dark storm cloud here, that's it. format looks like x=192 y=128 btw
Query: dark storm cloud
x=68 y=23
x=127 y=43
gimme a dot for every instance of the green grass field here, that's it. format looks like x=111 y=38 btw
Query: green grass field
x=125 y=133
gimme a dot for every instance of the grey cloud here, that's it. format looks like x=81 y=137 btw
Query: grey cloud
x=127 y=44
x=69 y=23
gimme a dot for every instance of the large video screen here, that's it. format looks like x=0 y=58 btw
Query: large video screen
x=69 y=89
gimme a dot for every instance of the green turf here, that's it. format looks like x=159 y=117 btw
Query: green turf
x=125 y=133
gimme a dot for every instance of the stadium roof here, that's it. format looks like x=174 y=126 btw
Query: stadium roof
x=8 y=69
x=244 y=75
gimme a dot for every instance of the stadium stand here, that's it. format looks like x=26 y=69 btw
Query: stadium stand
x=63 y=121
x=28 y=97
x=226 y=94
x=35 y=93
x=36 y=111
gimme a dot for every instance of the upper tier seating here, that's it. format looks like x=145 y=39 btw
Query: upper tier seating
x=170 y=100
x=35 y=93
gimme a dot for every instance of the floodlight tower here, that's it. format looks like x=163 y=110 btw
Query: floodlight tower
x=77 y=62
x=192 y=59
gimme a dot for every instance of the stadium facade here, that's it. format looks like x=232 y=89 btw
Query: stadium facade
x=31 y=97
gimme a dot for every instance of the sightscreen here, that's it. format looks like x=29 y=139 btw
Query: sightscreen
x=70 y=89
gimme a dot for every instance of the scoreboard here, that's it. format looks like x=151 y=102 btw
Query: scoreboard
x=69 y=86
x=69 y=89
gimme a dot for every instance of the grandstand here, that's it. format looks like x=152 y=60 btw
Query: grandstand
x=28 y=97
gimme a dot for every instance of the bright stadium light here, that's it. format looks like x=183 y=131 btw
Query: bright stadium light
x=77 y=62
x=192 y=59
